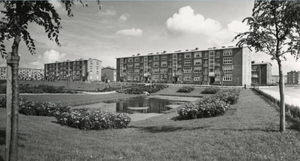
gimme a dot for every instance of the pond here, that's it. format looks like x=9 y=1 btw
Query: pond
x=136 y=105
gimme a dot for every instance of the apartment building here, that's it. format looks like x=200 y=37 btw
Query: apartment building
x=109 y=74
x=79 y=70
x=25 y=73
x=261 y=73
x=227 y=66
x=293 y=77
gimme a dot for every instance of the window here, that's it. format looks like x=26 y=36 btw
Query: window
x=217 y=54
x=156 y=64
x=187 y=78
x=227 y=52
x=206 y=55
x=156 y=77
x=136 y=71
x=197 y=55
x=197 y=69
x=197 y=78
x=164 y=57
x=155 y=71
x=187 y=63
x=136 y=59
x=130 y=60
x=217 y=78
x=197 y=61
x=205 y=78
x=156 y=57
x=227 y=60
x=187 y=70
x=227 y=77
x=164 y=70
x=187 y=55
x=136 y=65
x=164 y=64
x=130 y=66
x=121 y=60
x=228 y=68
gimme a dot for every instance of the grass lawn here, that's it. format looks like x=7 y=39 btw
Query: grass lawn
x=248 y=131
x=172 y=91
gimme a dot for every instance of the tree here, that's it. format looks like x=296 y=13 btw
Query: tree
x=14 y=26
x=274 y=30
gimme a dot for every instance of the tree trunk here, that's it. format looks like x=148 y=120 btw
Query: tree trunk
x=282 y=102
x=12 y=106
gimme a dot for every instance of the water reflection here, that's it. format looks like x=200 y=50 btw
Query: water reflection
x=155 y=105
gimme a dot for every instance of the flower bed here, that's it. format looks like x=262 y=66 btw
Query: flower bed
x=210 y=106
x=140 y=89
x=210 y=90
x=85 y=119
x=185 y=89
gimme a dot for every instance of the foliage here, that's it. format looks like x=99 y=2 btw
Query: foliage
x=230 y=96
x=93 y=120
x=26 y=88
x=37 y=108
x=292 y=110
x=141 y=88
x=185 y=89
x=210 y=90
x=107 y=89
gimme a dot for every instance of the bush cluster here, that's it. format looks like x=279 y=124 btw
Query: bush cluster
x=185 y=89
x=38 y=108
x=93 y=120
x=210 y=106
x=108 y=89
x=210 y=90
x=140 y=89
x=291 y=110
x=26 y=88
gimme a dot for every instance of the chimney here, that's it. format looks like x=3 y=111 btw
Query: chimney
x=223 y=47
x=214 y=47
x=196 y=48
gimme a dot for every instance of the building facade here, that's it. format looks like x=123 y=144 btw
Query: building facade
x=78 y=70
x=109 y=74
x=293 y=77
x=261 y=73
x=25 y=73
x=227 y=66
x=275 y=79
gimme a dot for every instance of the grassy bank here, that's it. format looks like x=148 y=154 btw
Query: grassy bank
x=248 y=131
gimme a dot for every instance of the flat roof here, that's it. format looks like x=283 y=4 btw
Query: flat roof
x=179 y=51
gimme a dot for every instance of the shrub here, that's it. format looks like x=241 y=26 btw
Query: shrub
x=141 y=88
x=207 y=107
x=108 y=89
x=93 y=120
x=230 y=96
x=210 y=90
x=185 y=89
x=38 y=108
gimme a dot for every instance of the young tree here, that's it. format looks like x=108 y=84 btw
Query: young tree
x=274 y=30
x=14 y=26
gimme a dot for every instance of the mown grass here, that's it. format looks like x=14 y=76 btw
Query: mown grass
x=248 y=131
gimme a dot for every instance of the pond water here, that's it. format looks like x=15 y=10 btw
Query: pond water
x=136 y=104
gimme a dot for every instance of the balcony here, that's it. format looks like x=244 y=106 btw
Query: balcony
x=211 y=74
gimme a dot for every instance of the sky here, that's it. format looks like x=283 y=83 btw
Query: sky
x=126 y=28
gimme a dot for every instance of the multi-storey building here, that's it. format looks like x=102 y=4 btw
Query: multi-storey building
x=228 y=66
x=25 y=73
x=275 y=79
x=78 y=70
x=261 y=73
x=109 y=74
x=293 y=77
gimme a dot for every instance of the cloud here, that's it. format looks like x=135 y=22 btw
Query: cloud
x=107 y=12
x=48 y=57
x=123 y=18
x=225 y=36
x=186 y=21
x=130 y=32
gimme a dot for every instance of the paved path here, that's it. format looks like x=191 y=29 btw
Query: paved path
x=292 y=96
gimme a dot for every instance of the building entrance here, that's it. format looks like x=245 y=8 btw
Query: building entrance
x=211 y=80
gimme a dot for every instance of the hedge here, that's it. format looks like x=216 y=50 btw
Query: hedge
x=140 y=89
x=210 y=90
x=185 y=89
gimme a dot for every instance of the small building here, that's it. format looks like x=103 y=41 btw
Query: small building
x=79 y=70
x=109 y=74
x=261 y=73
x=24 y=73
x=293 y=77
